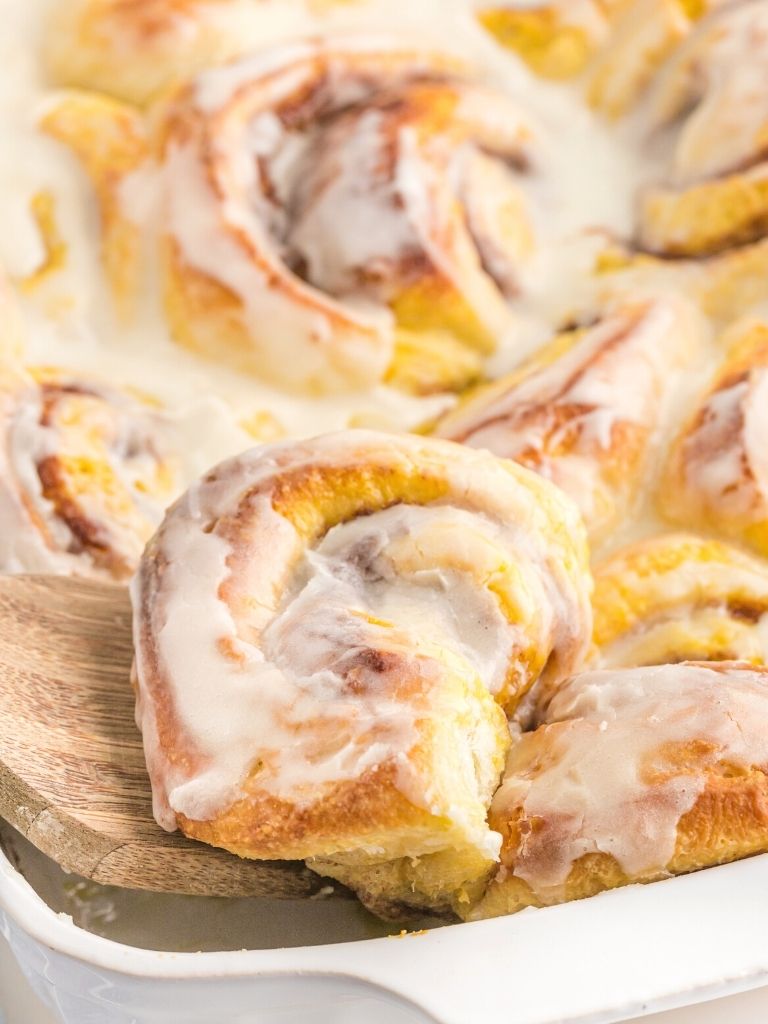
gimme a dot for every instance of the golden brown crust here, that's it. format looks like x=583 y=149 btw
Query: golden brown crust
x=292 y=297
x=555 y=39
x=584 y=411
x=679 y=597
x=102 y=471
x=728 y=819
x=644 y=34
x=728 y=822
x=410 y=828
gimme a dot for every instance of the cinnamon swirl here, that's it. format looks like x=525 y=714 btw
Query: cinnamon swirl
x=326 y=634
x=645 y=34
x=86 y=472
x=679 y=597
x=583 y=411
x=709 y=96
x=359 y=210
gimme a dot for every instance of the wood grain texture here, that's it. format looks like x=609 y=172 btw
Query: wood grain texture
x=72 y=772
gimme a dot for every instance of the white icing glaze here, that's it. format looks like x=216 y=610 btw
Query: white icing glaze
x=724 y=464
x=70 y=322
x=619 y=372
x=395 y=581
x=300 y=333
x=83 y=333
x=607 y=784
x=34 y=538
x=372 y=196
x=557 y=206
x=367 y=202
x=717 y=75
x=692 y=628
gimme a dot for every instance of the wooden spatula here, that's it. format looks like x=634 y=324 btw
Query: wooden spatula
x=72 y=774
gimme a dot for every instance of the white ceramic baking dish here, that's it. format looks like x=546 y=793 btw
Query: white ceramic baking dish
x=627 y=952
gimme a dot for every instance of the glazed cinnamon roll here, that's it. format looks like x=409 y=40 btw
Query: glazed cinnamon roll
x=645 y=34
x=717 y=474
x=584 y=411
x=679 y=597
x=358 y=203
x=709 y=97
x=597 y=798
x=86 y=472
x=326 y=636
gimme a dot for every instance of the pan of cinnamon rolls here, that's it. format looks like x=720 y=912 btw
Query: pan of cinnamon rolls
x=499 y=639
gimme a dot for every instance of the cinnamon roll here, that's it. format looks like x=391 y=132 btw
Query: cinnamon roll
x=701 y=223
x=679 y=597
x=709 y=96
x=717 y=474
x=633 y=775
x=583 y=411
x=645 y=34
x=359 y=209
x=326 y=636
x=86 y=472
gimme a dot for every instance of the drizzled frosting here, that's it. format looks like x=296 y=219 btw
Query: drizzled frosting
x=317 y=655
x=725 y=454
x=87 y=469
x=596 y=402
x=336 y=188
x=621 y=757
x=85 y=475
x=710 y=102
x=379 y=548
x=715 y=78
x=718 y=469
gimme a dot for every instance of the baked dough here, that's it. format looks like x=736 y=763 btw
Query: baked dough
x=327 y=637
x=86 y=472
x=679 y=597
x=555 y=38
x=383 y=245
x=717 y=474
x=135 y=49
x=633 y=775
x=710 y=90
x=585 y=410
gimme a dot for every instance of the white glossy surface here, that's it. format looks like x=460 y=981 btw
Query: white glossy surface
x=630 y=951
x=18 y=1004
